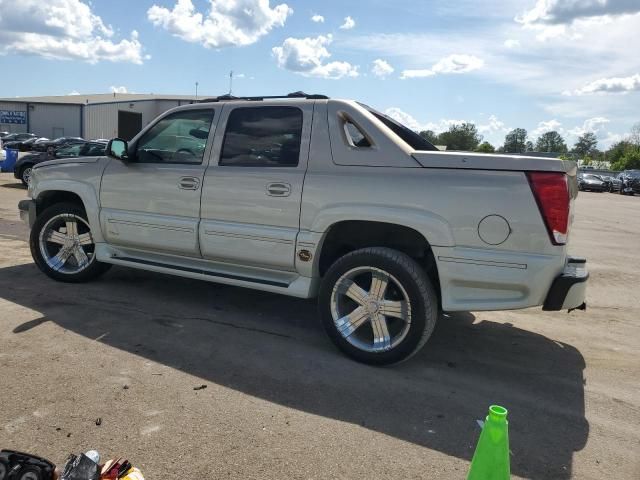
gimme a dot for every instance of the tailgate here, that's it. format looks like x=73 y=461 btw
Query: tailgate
x=515 y=163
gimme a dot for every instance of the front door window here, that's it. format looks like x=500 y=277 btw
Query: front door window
x=179 y=138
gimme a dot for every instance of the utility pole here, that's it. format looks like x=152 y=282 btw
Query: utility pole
x=230 y=82
x=196 y=91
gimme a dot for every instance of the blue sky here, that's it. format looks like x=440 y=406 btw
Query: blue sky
x=570 y=66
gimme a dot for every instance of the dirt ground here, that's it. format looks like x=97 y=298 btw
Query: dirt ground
x=281 y=402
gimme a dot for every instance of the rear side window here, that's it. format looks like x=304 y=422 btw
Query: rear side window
x=354 y=135
x=262 y=137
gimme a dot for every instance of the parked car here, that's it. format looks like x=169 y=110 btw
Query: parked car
x=52 y=145
x=591 y=182
x=3 y=134
x=314 y=197
x=17 y=137
x=612 y=183
x=24 y=145
x=24 y=165
x=630 y=182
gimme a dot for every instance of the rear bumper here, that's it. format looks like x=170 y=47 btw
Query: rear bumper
x=568 y=290
x=27 y=209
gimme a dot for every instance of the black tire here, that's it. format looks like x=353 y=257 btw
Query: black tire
x=30 y=473
x=92 y=271
x=24 y=169
x=411 y=277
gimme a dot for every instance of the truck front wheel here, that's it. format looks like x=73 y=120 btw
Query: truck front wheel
x=378 y=305
x=62 y=245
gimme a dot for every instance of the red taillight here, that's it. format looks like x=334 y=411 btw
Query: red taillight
x=552 y=195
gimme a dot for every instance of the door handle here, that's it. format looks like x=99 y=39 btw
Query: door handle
x=189 y=183
x=279 y=189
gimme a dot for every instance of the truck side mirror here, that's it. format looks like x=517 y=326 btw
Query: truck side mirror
x=118 y=148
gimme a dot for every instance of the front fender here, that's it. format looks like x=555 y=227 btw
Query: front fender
x=82 y=180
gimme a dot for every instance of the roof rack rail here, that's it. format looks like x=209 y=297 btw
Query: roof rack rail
x=229 y=98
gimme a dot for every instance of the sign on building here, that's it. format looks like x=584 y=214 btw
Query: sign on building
x=13 y=116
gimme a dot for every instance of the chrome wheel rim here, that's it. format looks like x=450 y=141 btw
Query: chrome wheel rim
x=371 y=309
x=26 y=175
x=66 y=244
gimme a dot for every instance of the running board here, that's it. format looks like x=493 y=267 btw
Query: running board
x=287 y=283
x=204 y=272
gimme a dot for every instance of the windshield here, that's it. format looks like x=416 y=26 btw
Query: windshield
x=410 y=137
x=632 y=173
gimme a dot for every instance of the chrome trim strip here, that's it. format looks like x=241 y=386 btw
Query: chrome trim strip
x=485 y=263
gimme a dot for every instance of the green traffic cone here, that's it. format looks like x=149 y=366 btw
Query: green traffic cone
x=491 y=459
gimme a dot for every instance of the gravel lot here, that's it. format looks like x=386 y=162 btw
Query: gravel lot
x=281 y=402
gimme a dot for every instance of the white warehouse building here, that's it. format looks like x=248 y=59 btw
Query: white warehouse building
x=106 y=115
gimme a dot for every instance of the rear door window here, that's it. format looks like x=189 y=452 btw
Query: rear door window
x=262 y=137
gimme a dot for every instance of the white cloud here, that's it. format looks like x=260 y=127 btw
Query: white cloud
x=348 y=24
x=306 y=56
x=547 y=126
x=493 y=126
x=121 y=89
x=554 y=19
x=420 y=73
x=456 y=63
x=565 y=12
x=608 y=85
x=381 y=68
x=594 y=125
x=227 y=23
x=317 y=19
x=511 y=43
x=62 y=29
x=73 y=92
x=610 y=139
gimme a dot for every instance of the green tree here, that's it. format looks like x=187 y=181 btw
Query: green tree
x=586 y=145
x=630 y=160
x=429 y=136
x=485 y=147
x=528 y=146
x=515 y=141
x=463 y=136
x=617 y=151
x=551 y=142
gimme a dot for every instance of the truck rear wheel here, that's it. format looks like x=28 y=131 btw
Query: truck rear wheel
x=62 y=245
x=378 y=305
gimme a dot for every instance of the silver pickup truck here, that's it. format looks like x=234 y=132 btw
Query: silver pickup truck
x=315 y=197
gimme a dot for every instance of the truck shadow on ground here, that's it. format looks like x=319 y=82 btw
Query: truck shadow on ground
x=272 y=347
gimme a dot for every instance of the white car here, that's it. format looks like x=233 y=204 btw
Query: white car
x=314 y=197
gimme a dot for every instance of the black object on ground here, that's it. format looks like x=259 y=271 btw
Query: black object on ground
x=80 y=467
x=16 y=465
